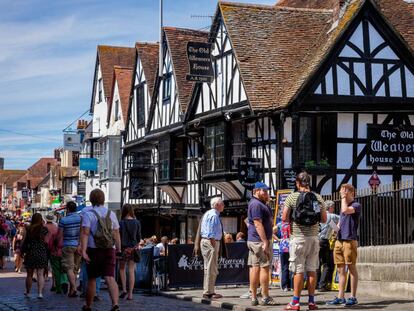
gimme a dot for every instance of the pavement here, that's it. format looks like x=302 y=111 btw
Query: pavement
x=12 y=299
x=231 y=300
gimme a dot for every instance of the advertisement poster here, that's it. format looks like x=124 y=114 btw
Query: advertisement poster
x=275 y=271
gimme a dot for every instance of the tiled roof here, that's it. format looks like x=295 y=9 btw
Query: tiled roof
x=270 y=44
x=177 y=39
x=279 y=48
x=123 y=75
x=148 y=53
x=310 y=4
x=108 y=57
x=37 y=172
x=8 y=177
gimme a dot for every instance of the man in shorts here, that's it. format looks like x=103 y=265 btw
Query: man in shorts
x=69 y=233
x=100 y=262
x=259 y=243
x=345 y=251
x=304 y=244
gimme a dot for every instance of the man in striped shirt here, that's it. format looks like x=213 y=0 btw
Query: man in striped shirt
x=304 y=243
x=69 y=231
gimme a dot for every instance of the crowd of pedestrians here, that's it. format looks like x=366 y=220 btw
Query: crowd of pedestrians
x=84 y=248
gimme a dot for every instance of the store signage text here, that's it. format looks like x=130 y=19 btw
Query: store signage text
x=390 y=146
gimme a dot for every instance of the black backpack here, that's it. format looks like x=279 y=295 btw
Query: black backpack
x=307 y=211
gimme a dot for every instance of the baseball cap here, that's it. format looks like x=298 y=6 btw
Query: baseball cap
x=261 y=185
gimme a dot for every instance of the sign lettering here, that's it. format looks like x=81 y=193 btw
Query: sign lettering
x=199 y=59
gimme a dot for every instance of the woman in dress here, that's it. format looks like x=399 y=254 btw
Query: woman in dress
x=130 y=229
x=17 y=243
x=34 y=250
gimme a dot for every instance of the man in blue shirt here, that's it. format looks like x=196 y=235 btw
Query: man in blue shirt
x=211 y=235
x=259 y=236
x=345 y=251
x=69 y=232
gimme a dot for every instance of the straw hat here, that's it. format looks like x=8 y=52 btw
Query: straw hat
x=50 y=218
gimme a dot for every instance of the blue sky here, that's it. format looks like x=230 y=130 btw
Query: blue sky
x=47 y=58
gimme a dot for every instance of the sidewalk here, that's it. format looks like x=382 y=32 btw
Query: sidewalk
x=231 y=300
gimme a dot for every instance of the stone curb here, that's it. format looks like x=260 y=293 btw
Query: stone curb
x=213 y=303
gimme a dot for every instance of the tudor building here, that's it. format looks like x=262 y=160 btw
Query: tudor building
x=297 y=85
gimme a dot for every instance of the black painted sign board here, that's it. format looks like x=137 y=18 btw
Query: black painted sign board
x=141 y=183
x=390 y=145
x=199 y=59
x=250 y=170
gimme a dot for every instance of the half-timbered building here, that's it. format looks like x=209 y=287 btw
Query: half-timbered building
x=305 y=85
x=103 y=142
x=138 y=156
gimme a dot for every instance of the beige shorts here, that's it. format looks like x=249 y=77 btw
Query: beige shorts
x=303 y=254
x=70 y=259
x=346 y=252
x=257 y=257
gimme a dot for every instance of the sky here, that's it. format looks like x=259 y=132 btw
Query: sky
x=47 y=60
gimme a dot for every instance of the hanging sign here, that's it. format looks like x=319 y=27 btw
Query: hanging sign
x=141 y=183
x=289 y=178
x=199 y=59
x=390 y=145
x=250 y=170
x=88 y=164
x=72 y=142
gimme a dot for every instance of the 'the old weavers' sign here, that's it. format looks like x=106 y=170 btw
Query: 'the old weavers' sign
x=390 y=145
x=199 y=59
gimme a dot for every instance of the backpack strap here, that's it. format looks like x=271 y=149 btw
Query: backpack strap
x=99 y=219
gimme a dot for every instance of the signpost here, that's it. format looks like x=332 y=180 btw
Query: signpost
x=199 y=59
x=250 y=171
x=374 y=181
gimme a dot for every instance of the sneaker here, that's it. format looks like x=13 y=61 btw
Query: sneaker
x=40 y=296
x=292 y=307
x=285 y=289
x=351 y=301
x=268 y=301
x=312 y=306
x=255 y=302
x=247 y=295
x=336 y=301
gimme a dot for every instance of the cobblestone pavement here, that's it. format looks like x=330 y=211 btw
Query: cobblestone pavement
x=12 y=299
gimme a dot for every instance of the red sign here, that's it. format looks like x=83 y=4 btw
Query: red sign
x=374 y=180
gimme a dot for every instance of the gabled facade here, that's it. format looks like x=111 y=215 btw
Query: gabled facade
x=105 y=141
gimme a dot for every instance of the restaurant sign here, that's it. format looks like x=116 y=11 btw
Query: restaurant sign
x=390 y=145
x=199 y=59
x=250 y=170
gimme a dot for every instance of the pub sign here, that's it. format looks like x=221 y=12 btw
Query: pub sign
x=250 y=170
x=390 y=145
x=199 y=59
x=141 y=183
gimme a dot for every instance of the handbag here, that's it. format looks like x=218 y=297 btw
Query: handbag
x=133 y=252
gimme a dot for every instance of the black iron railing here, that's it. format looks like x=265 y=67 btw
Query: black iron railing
x=387 y=214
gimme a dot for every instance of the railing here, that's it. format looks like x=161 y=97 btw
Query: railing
x=387 y=214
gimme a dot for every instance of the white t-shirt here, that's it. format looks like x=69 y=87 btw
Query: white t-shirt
x=161 y=247
x=90 y=221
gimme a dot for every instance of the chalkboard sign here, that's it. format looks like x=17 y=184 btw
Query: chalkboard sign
x=289 y=178
x=199 y=59
x=281 y=196
x=390 y=145
x=250 y=170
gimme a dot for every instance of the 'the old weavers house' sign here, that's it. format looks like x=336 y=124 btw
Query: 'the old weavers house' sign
x=390 y=145
x=199 y=59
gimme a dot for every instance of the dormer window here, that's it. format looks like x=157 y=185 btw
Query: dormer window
x=166 y=89
x=100 y=91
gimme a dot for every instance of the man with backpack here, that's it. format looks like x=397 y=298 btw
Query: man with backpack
x=100 y=232
x=304 y=210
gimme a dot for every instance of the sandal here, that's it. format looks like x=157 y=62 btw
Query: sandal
x=268 y=301
x=73 y=295
x=115 y=308
x=123 y=295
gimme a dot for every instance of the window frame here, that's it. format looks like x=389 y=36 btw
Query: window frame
x=164 y=147
x=140 y=102
x=116 y=113
x=215 y=134
x=166 y=88
x=100 y=90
